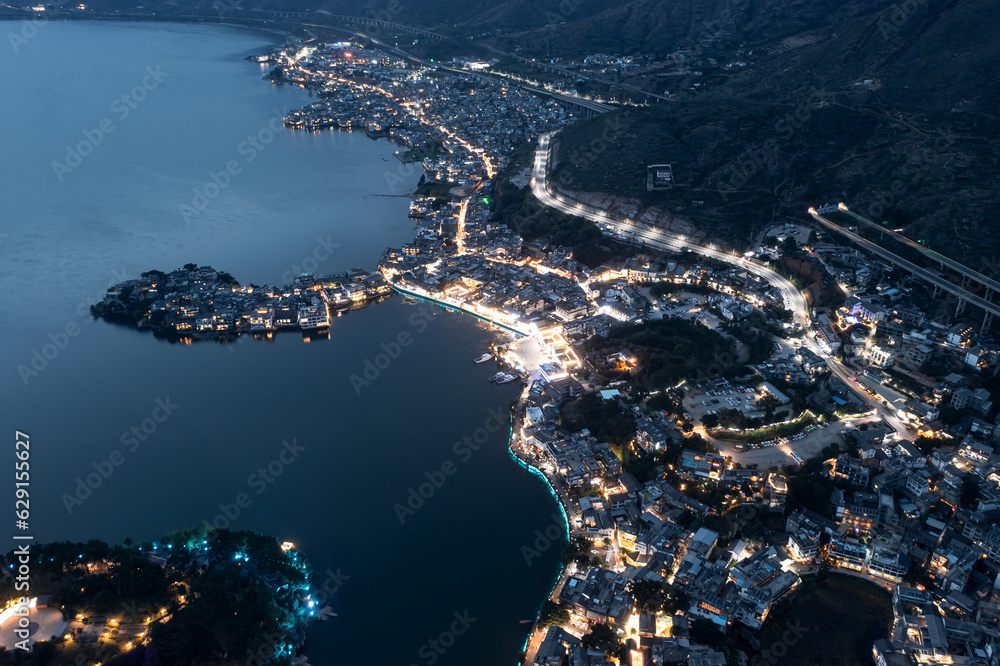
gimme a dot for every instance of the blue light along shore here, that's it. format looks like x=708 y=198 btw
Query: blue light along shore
x=116 y=215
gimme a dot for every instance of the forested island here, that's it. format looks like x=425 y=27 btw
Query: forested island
x=193 y=597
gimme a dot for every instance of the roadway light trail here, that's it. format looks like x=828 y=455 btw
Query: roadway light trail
x=794 y=300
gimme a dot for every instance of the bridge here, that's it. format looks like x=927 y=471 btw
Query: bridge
x=939 y=283
x=384 y=23
x=968 y=275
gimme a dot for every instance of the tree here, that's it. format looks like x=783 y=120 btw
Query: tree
x=970 y=491
x=707 y=633
x=677 y=600
x=43 y=651
x=552 y=615
x=789 y=248
x=603 y=637
x=710 y=420
x=926 y=444
x=577 y=549
x=648 y=595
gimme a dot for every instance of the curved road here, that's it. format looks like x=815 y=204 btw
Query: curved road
x=794 y=300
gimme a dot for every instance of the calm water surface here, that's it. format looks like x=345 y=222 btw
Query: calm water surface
x=78 y=386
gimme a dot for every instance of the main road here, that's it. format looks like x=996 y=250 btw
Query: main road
x=794 y=301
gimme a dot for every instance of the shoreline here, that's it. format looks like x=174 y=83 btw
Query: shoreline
x=233 y=335
x=567 y=525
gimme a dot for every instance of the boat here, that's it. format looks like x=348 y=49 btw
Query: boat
x=506 y=379
x=484 y=358
x=497 y=377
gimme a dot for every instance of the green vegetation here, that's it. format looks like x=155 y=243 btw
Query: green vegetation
x=576 y=550
x=661 y=289
x=226 y=278
x=760 y=144
x=602 y=637
x=668 y=350
x=657 y=597
x=756 y=333
x=431 y=188
x=706 y=632
x=428 y=149
x=523 y=213
x=212 y=591
x=552 y=615
x=808 y=488
x=819 y=289
x=859 y=611
x=768 y=432
x=604 y=418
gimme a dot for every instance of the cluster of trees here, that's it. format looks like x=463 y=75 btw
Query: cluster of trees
x=756 y=333
x=124 y=578
x=229 y=610
x=552 y=615
x=578 y=550
x=603 y=637
x=604 y=418
x=668 y=350
x=520 y=211
x=656 y=597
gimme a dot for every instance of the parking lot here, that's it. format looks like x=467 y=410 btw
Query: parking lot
x=786 y=451
x=685 y=305
x=700 y=402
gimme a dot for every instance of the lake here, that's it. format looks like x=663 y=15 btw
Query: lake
x=113 y=132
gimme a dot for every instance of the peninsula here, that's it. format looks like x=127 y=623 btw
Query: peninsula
x=193 y=597
x=739 y=440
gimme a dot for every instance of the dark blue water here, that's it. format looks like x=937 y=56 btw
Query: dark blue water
x=199 y=429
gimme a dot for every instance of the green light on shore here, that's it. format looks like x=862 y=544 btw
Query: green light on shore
x=486 y=200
